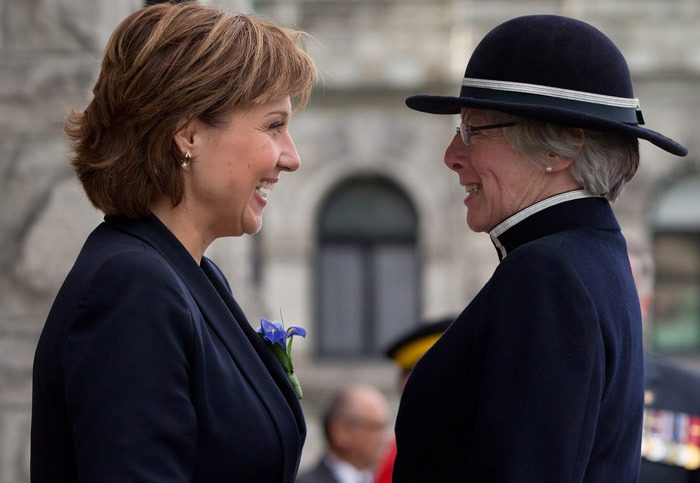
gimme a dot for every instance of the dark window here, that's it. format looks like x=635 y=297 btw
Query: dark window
x=676 y=227
x=367 y=268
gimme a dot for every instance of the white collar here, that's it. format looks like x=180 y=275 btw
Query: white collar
x=344 y=472
x=516 y=218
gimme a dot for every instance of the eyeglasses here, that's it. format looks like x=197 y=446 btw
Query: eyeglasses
x=466 y=132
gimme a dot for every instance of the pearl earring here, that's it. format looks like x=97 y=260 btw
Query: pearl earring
x=548 y=169
x=186 y=162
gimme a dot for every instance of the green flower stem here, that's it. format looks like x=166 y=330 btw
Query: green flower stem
x=286 y=362
x=295 y=384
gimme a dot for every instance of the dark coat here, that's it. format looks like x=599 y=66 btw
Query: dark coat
x=540 y=379
x=321 y=473
x=674 y=397
x=147 y=370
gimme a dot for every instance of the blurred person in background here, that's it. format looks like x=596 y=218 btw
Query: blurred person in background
x=405 y=352
x=671 y=433
x=355 y=428
x=540 y=379
x=147 y=369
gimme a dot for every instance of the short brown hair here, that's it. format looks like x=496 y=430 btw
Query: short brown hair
x=163 y=64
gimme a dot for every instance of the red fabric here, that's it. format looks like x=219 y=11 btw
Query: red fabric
x=386 y=466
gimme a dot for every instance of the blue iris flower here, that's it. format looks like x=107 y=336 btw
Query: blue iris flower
x=274 y=332
x=280 y=341
x=295 y=331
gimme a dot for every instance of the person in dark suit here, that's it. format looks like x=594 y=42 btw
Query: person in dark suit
x=354 y=425
x=147 y=368
x=671 y=432
x=540 y=378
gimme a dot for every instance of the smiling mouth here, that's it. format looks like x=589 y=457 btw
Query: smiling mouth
x=264 y=189
x=472 y=187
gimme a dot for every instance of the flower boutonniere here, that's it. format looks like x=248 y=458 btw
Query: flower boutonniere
x=280 y=342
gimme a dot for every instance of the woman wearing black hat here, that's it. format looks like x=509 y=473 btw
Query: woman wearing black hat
x=540 y=379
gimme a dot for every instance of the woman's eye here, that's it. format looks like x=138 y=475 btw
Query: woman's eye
x=277 y=125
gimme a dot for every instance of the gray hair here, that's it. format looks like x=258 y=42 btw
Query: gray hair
x=602 y=161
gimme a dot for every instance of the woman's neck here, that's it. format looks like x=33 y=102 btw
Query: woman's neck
x=181 y=223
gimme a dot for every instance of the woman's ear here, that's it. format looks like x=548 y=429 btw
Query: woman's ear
x=555 y=163
x=188 y=135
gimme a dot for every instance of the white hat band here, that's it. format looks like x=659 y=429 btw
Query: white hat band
x=552 y=92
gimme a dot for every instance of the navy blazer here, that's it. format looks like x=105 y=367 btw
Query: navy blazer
x=540 y=379
x=147 y=370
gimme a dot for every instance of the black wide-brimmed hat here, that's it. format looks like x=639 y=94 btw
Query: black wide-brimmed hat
x=553 y=69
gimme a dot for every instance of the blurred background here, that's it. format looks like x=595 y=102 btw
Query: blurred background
x=369 y=237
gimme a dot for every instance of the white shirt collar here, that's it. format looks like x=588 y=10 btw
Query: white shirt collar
x=516 y=218
x=344 y=472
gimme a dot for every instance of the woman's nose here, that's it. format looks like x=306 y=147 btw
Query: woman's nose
x=289 y=157
x=454 y=154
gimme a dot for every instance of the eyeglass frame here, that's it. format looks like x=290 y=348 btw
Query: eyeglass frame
x=465 y=131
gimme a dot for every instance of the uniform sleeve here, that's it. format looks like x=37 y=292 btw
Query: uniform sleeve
x=126 y=375
x=542 y=375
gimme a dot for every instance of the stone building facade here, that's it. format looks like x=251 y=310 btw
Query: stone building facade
x=357 y=141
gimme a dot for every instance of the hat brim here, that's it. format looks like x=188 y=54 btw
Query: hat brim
x=453 y=105
x=425 y=329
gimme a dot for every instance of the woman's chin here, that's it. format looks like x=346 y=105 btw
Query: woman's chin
x=253 y=226
x=475 y=225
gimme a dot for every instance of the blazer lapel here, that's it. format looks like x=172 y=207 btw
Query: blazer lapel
x=263 y=351
x=226 y=319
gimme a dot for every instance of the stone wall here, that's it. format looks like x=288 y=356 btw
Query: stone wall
x=371 y=54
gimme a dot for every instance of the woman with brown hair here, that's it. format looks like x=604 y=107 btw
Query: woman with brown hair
x=147 y=369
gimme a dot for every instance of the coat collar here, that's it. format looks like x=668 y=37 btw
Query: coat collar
x=224 y=316
x=271 y=363
x=567 y=215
